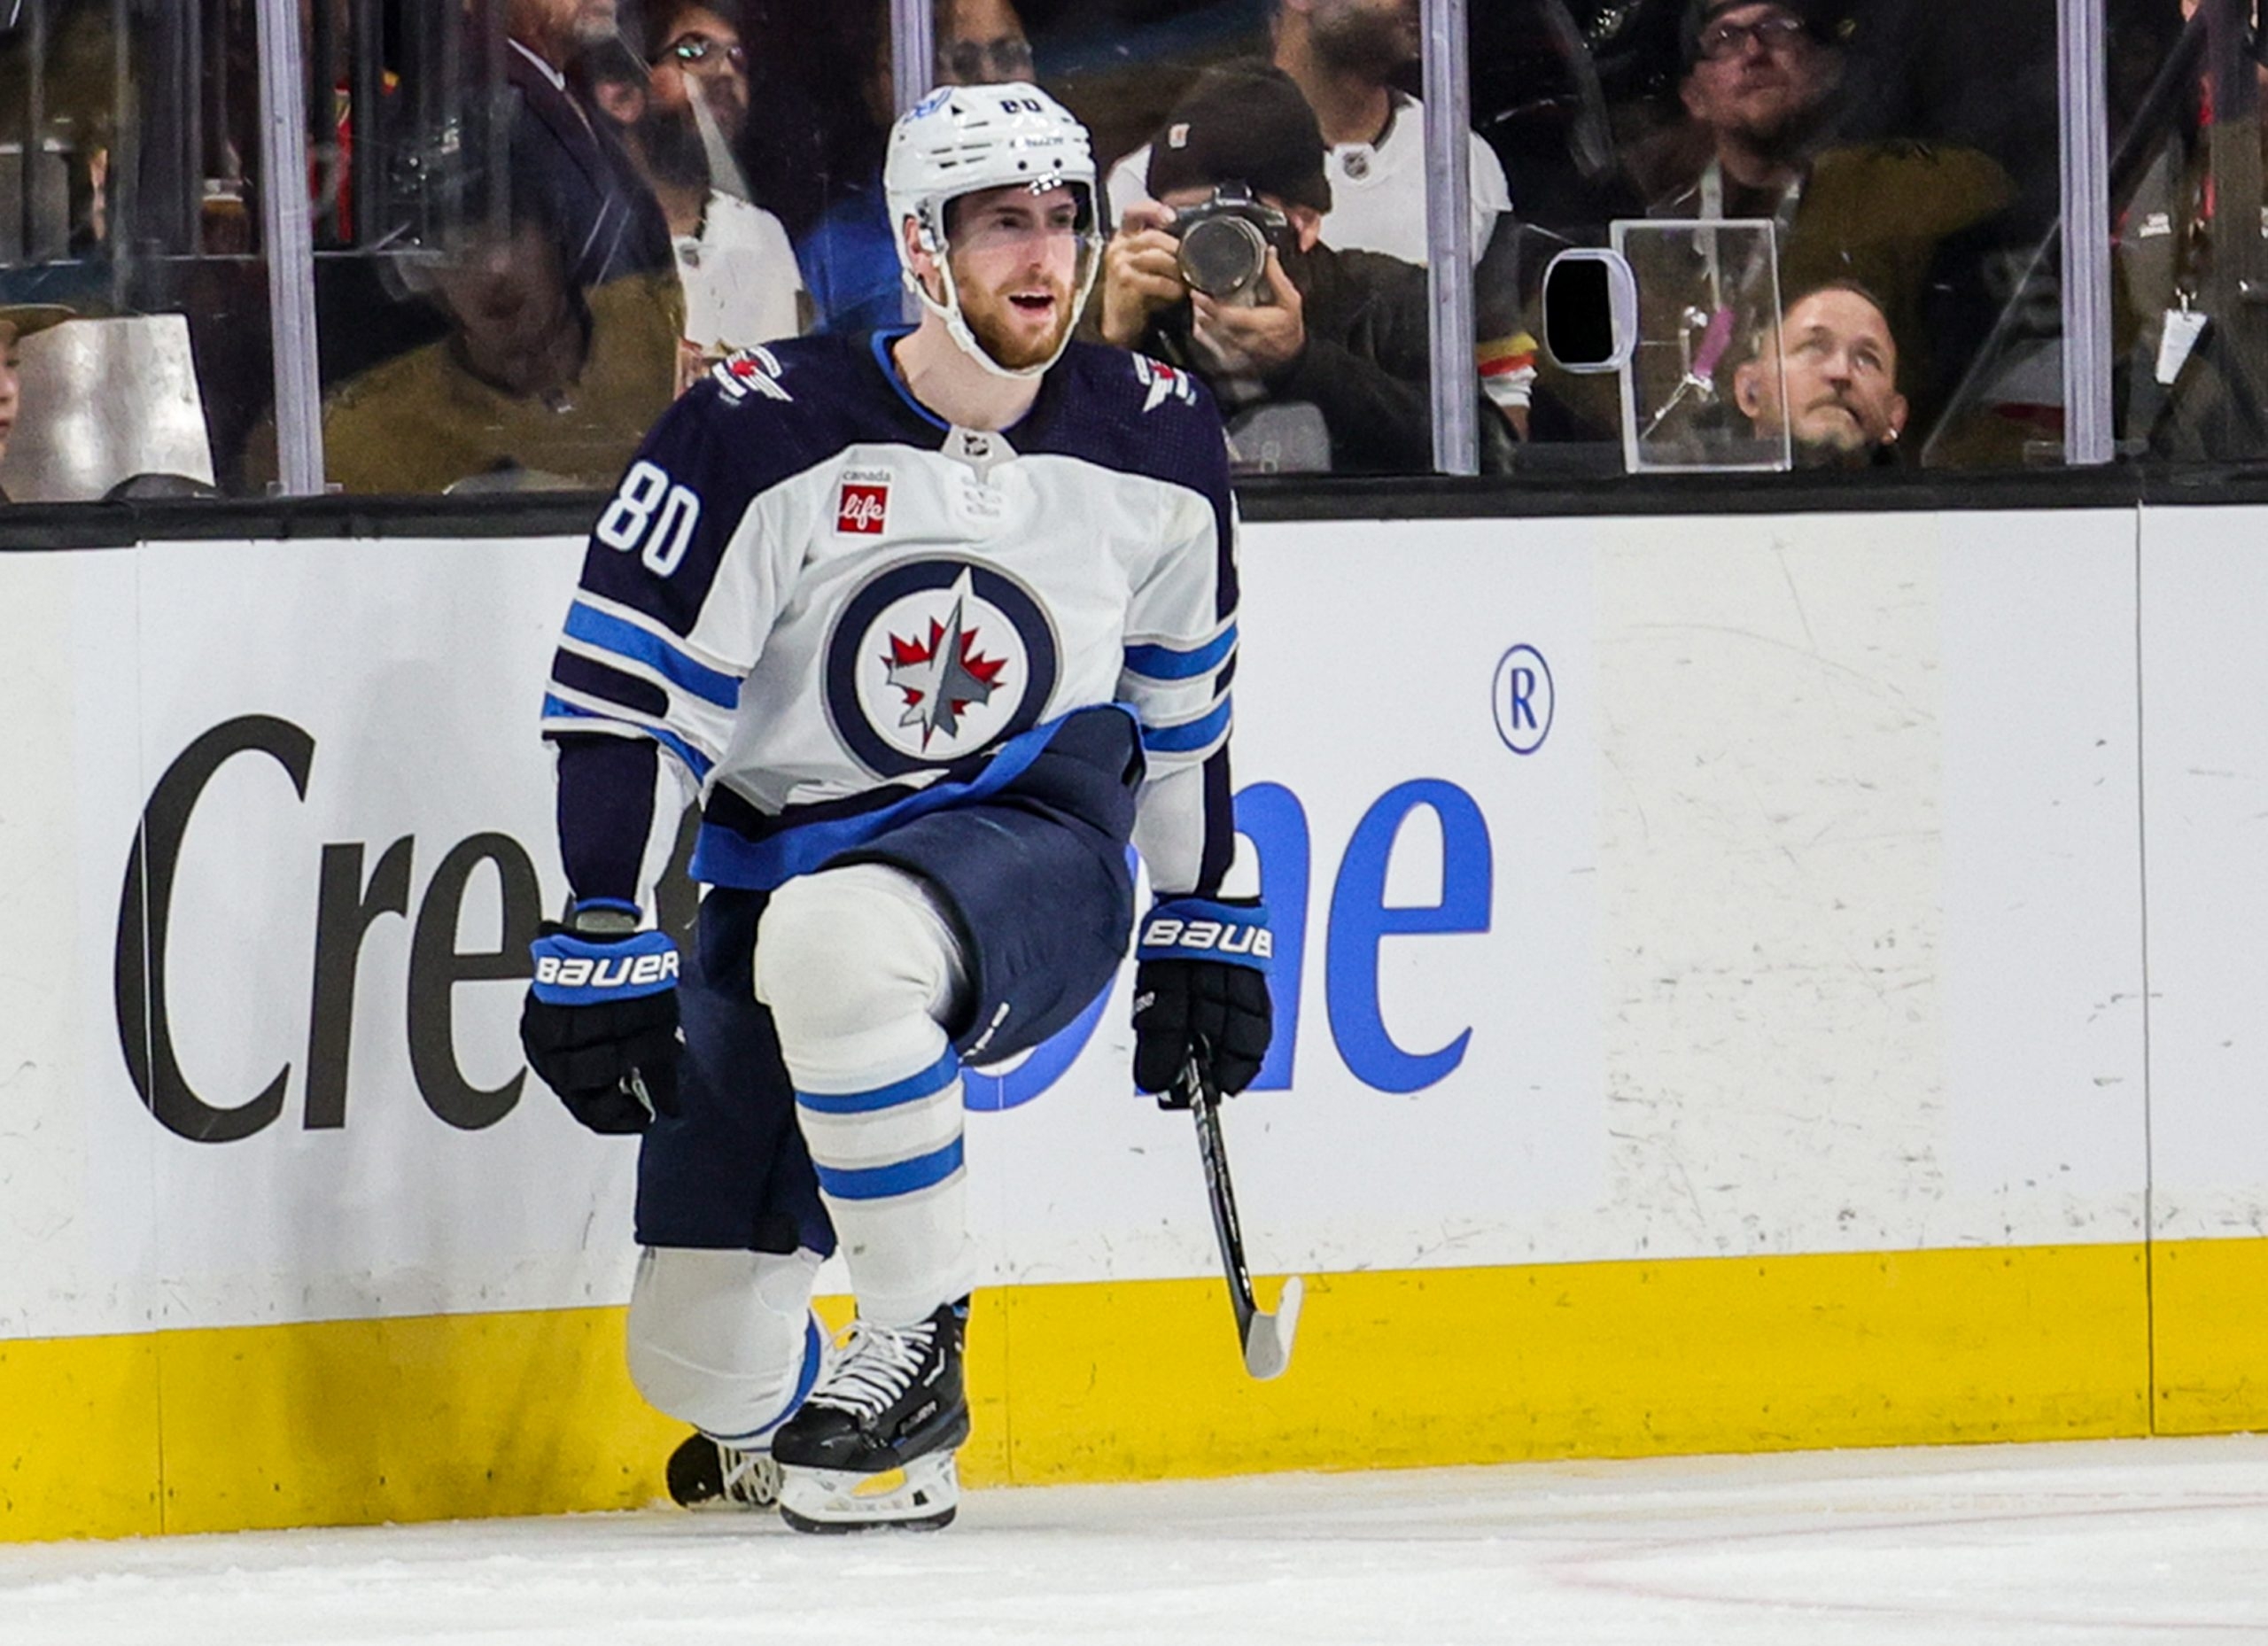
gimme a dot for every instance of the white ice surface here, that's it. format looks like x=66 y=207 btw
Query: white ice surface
x=2123 y=1542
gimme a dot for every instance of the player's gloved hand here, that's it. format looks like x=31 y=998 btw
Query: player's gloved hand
x=600 y=1026
x=1201 y=988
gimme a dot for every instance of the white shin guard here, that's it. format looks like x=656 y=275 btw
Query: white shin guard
x=724 y=1341
x=860 y=967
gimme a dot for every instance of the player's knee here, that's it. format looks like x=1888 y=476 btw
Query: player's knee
x=844 y=951
x=719 y=1339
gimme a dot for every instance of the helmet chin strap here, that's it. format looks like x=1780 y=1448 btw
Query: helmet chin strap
x=957 y=324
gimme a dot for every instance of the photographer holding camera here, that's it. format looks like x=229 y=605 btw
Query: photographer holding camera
x=1223 y=272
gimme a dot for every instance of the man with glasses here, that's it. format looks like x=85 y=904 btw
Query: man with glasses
x=849 y=256
x=1907 y=221
x=1758 y=80
x=680 y=104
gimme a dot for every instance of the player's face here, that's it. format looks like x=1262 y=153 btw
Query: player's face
x=1759 y=71
x=10 y=384
x=1014 y=256
x=1841 y=370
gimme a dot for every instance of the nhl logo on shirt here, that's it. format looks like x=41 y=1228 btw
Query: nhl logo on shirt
x=933 y=661
x=862 y=506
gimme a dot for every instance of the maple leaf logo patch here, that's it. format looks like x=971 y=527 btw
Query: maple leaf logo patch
x=943 y=674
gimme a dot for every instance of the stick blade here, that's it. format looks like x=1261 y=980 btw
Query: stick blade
x=1267 y=1341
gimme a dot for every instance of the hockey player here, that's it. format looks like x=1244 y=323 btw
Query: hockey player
x=934 y=622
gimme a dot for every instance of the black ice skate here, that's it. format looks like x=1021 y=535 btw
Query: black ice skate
x=703 y=1474
x=874 y=1444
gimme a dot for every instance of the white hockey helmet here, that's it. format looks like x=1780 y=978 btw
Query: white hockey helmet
x=961 y=139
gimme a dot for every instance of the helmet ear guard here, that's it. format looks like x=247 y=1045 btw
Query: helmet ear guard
x=963 y=140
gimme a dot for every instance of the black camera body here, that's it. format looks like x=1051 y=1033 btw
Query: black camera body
x=1225 y=243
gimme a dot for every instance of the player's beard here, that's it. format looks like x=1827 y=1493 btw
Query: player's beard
x=1370 y=45
x=991 y=322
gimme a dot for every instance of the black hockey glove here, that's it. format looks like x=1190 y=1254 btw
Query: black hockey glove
x=1201 y=988
x=600 y=1026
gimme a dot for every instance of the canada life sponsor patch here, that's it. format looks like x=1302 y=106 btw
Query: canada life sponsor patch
x=862 y=502
x=936 y=660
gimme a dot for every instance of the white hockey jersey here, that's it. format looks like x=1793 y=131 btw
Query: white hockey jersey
x=811 y=600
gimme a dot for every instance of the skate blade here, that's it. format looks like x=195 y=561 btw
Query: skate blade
x=921 y=1496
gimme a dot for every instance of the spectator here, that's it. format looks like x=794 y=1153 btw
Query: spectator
x=1827 y=375
x=1898 y=218
x=1345 y=332
x=19 y=321
x=606 y=218
x=1344 y=56
x=1759 y=77
x=537 y=385
x=680 y=104
x=850 y=257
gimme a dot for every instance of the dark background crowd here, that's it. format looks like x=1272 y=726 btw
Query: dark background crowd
x=535 y=220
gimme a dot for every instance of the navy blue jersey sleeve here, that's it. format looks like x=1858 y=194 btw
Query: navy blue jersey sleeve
x=676 y=592
x=1182 y=637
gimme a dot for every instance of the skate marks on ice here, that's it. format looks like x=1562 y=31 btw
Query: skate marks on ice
x=2120 y=1542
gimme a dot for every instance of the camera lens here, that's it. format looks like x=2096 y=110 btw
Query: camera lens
x=1221 y=256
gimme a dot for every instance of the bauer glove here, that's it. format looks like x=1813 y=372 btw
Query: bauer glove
x=1201 y=988
x=600 y=1026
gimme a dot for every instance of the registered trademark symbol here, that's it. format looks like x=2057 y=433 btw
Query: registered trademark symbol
x=1523 y=699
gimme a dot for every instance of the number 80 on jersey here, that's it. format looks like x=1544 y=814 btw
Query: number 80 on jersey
x=653 y=513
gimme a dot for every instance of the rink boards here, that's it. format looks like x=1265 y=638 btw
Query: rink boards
x=1765 y=982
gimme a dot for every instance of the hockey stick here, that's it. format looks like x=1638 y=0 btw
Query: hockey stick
x=1267 y=1339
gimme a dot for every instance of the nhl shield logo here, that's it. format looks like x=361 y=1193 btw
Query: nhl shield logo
x=933 y=661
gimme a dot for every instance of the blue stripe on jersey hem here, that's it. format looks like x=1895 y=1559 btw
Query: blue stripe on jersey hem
x=881 y=341
x=912 y=1088
x=1163 y=663
x=723 y=856
x=695 y=762
x=880 y=1183
x=1180 y=739
x=594 y=627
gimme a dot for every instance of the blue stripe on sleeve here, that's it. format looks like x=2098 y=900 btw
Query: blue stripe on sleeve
x=594 y=627
x=1163 y=663
x=1180 y=739
x=695 y=762
x=880 y=1183
x=912 y=1088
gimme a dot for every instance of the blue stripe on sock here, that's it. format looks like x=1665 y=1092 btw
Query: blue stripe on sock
x=912 y=1088
x=880 y=1183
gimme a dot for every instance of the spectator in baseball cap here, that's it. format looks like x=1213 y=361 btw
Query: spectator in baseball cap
x=1343 y=333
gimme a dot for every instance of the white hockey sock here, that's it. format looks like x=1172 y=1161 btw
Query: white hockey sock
x=858 y=966
x=724 y=1341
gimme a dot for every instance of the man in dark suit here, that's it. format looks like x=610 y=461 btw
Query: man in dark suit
x=608 y=221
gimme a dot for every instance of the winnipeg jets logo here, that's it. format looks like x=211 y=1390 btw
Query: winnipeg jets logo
x=935 y=660
x=1163 y=382
x=943 y=675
